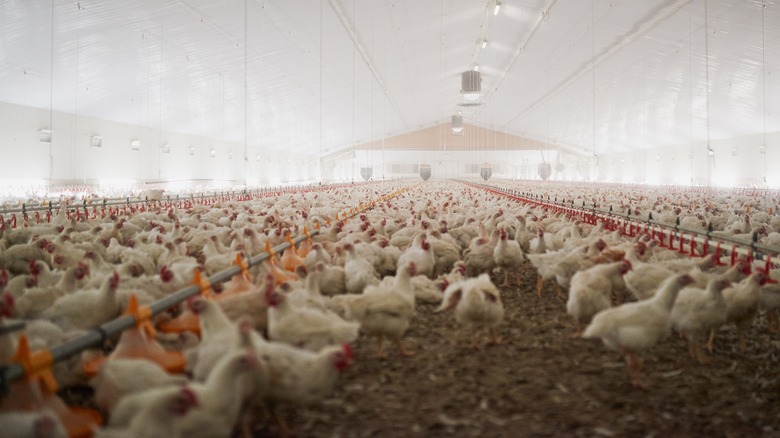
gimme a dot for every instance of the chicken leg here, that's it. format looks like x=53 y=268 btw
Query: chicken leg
x=635 y=369
x=380 y=352
x=506 y=278
x=772 y=325
x=539 y=286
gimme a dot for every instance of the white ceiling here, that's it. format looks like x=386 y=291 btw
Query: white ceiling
x=315 y=77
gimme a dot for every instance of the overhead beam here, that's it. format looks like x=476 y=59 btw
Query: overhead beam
x=367 y=59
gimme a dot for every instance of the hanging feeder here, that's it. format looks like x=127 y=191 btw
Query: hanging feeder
x=486 y=171
x=425 y=171
x=544 y=170
x=366 y=172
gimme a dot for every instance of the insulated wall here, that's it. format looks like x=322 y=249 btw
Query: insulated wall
x=71 y=157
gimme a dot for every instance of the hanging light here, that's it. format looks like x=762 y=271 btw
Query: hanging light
x=484 y=43
x=497 y=8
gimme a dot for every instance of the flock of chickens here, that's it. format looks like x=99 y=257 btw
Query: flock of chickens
x=281 y=332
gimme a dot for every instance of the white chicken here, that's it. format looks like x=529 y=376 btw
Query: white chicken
x=86 y=308
x=637 y=326
x=35 y=300
x=121 y=377
x=299 y=377
x=383 y=311
x=154 y=412
x=421 y=254
x=591 y=291
x=305 y=327
x=234 y=379
x=477 y=304
x=699 y=311
x=742 y=301
x=358 y=272
x=32 y=424
x=508 y=255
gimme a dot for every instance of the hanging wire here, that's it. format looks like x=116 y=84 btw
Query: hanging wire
x=763 y=88
x=711 y=158
x=246 y=96
x=51 y=100
x=160 y=94
x=593 y=73
x=690 y=80
x=74 y=135
x=321 y=79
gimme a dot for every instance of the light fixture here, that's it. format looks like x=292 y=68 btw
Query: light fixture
x=192 y=150
x=44 y=135
x=258 y=157
x=230 y=155
x=212 y=153
x=476 y=67
x=484 y=43
x=135 y=145
x=96 y=141
x=166 y=148
x=497 y=8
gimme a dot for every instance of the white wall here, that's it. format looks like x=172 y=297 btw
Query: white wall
x=455 y=164
x=735 y=162
x=70 y=159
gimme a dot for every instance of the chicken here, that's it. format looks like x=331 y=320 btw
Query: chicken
x=637 y=326
x=508 y=255
x=32 y=424
x=35 y=300
x=421 y=254
x=16 y=259
x=305 y=327
x=591 y=291
x=153 y=412
x=479 y=255
x=19 y=283
x=121 y=377
x=86 y=308
x=699 y=311
x=218 y=335
x=383 y=311
x=300 y=377
x=770 y=302
x=742 y=301
x=477 y=304
x=316 y=255
x=234 y=379
x=358 y=272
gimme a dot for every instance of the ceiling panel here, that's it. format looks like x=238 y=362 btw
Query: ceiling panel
x=316 y=77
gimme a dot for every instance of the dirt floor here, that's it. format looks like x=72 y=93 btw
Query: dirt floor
x=543 y=382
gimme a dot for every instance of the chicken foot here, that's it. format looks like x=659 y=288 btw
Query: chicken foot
x=401 y=350
x=695 y=351
x=493 y=338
